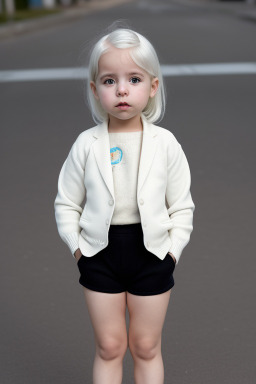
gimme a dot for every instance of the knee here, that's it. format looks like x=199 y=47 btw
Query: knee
x=109 y=348
x=145 y=349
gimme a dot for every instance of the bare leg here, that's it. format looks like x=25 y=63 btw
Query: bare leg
x=107 y=314
x=147 y=315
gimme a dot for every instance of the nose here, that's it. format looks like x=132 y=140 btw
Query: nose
x=122 y=90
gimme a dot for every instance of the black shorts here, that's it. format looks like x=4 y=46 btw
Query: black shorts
x=126 y=265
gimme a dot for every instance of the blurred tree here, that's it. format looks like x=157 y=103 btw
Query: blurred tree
x=21 y=4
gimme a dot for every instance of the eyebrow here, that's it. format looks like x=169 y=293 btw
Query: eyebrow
x=113 y=75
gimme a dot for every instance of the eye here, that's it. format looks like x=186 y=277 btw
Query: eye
x=106 y=81
x=134 y=80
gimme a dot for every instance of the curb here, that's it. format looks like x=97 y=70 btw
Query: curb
x=65 y=15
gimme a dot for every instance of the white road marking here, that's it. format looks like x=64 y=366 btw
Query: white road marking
x=81 y=73
x=44 y=74
x=209 y=69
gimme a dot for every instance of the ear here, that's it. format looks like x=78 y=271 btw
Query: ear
x=94 y=89
x=154 y=86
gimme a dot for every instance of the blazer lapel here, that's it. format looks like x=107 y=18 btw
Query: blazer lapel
x=101 y=149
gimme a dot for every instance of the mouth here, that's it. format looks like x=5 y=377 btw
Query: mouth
x=123 y=105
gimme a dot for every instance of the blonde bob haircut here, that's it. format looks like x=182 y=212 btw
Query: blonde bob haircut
x=144 y=55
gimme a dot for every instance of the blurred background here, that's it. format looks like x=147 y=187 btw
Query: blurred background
x=208 y=56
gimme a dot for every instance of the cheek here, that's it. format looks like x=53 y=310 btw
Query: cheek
x=105 y=96
x=143 y=95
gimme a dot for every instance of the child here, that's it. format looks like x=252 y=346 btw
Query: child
x=138 y=214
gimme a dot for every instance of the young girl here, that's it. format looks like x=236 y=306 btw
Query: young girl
x=138 y=213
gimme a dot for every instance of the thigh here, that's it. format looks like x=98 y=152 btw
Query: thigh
x=147 y=315
x=107 y=314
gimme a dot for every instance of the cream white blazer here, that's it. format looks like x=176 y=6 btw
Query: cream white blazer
x=163 y=192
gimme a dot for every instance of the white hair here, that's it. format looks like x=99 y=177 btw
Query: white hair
x=144 y=55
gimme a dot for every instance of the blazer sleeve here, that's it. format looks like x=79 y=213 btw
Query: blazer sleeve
x=178 y=196
x=71 y=192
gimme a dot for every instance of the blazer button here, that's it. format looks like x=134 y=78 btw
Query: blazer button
x=141 y=201
x=111 y=202
x=107 y=221
x=148 y=244
x=145 y=224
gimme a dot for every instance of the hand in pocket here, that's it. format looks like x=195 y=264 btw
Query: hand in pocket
x=172 y=257
x=78 y=254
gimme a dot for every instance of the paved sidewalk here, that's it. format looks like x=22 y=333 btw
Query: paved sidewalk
x=66 y=14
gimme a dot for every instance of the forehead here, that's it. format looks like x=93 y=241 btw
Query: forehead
x=117 y=60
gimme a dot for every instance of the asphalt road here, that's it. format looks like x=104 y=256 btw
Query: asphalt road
x=209 y=333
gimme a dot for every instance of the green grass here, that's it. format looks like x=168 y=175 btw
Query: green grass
x=28 y=14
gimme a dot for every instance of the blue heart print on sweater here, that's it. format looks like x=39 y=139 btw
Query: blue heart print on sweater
x=116 y=155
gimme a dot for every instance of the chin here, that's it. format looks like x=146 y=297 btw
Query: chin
x=122 y=117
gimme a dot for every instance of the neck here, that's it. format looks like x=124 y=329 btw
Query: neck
x=130 y=125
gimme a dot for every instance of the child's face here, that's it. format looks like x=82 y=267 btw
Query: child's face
x=121 y=80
